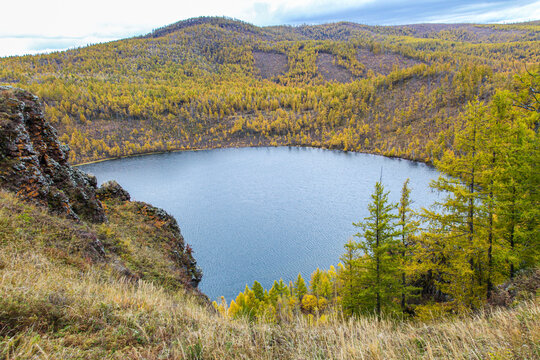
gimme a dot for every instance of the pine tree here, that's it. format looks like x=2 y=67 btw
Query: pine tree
x=527 y=156
x=258 y=290
x=349 y=277
x=278 y=289
x=380 y=279
x=315 y=282
x=300 y=287
x=518 y=178
x=497 y=139
x=407 y=229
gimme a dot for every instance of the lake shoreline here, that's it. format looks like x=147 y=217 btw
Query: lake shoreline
x=430 y=164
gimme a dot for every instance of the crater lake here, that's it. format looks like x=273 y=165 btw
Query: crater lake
x=264 y=213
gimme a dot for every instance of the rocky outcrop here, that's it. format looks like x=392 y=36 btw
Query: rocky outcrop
x=180 y=252
x=171 y=238
x=34 y=164
x=525 y=286
x=111 y=190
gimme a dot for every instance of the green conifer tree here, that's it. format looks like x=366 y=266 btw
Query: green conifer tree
x=454 y=247
x=258 y=290
x=407 y=229
x=380 y=279
x=350 y=279
x=300 y=287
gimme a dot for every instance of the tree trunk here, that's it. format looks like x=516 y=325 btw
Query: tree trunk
x=378 y=260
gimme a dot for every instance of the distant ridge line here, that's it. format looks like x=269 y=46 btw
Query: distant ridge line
x=221 y=21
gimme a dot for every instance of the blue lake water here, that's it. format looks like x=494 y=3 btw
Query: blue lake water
x=264 y=213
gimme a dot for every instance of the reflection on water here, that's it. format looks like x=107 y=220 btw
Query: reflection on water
x=264 y=213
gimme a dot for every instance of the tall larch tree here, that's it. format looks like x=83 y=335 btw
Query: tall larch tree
x=454 y=246
x=407 y=229
x=380 y=263
x=349 y=277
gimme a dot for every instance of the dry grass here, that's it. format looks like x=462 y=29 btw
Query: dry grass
x=270 y=64
x=384 y=63
x=52 y=308
x=331 y=71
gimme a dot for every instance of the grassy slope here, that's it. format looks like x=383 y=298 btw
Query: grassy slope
x=60 y=299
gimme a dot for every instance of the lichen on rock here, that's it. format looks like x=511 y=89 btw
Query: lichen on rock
x=111 y=190
x=34 y=164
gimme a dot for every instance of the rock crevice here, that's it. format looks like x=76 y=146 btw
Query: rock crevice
x=34 y=164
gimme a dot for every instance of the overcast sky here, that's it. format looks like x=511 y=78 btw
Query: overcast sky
x=32 y=26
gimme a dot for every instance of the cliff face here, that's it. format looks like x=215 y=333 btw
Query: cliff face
x=167 y=236
x=33 y=164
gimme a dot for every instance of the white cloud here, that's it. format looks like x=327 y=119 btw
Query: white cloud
x=483 y=13
x=35 y=44
x=30 y=26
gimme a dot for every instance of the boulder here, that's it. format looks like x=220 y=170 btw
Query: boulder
x=111 y=190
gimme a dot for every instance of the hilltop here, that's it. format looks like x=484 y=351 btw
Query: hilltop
x=217 y=82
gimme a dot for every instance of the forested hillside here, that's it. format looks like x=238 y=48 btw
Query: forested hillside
x=215 y=82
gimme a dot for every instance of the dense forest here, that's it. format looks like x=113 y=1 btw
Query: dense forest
x=215 y=82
